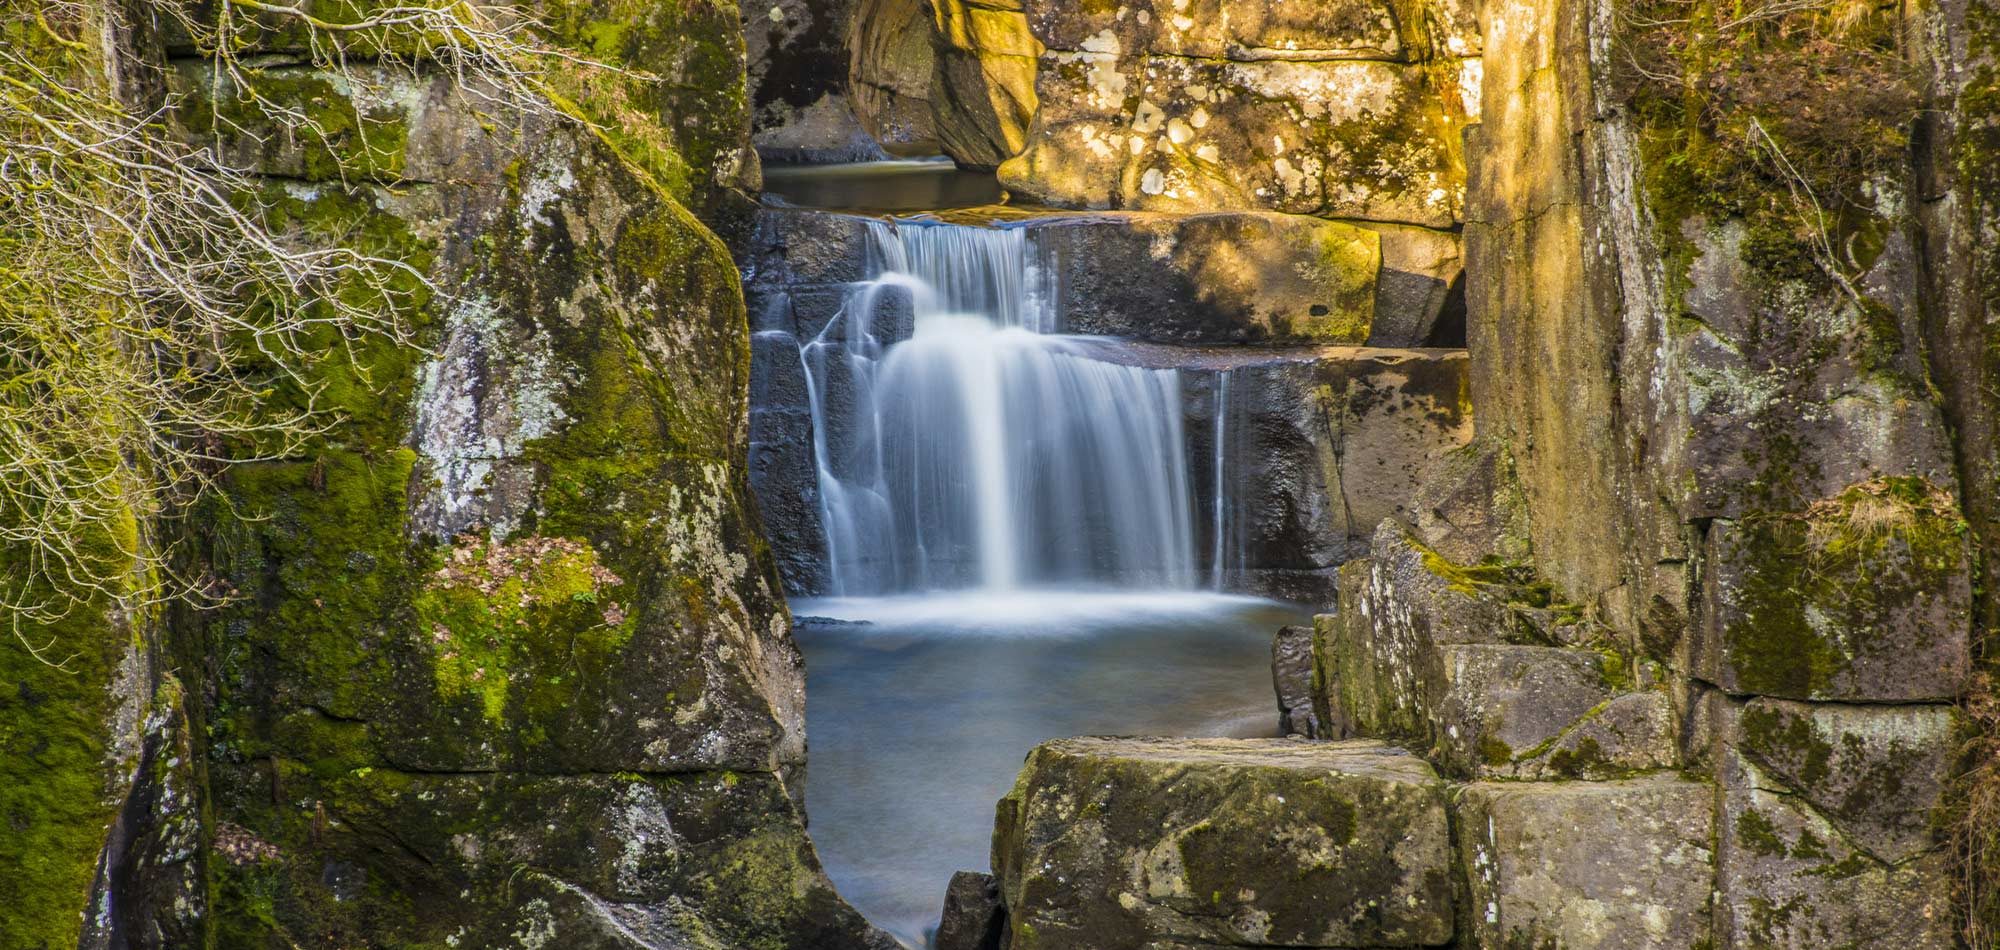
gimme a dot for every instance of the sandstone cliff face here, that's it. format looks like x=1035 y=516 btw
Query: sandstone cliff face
x=1340 y=110
x=504 y=660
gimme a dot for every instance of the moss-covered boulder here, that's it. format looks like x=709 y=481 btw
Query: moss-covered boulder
x=1863 y=596
x=1573 y=865
x=1128 y=843
x=507 y=661
x=525 y=564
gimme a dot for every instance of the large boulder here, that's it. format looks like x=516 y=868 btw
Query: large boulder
x=1609 y=865
x=892 y=57
x=511 y=612
x=1127 y=843
x=983 y=87
x=1341 y=112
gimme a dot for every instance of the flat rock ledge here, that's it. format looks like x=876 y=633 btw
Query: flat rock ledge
x=1109 y=843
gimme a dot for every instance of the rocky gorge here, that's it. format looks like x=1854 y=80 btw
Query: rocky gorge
x=1611 y=382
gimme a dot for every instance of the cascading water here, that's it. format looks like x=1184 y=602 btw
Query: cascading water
x=1220 y=530
x=987 y=450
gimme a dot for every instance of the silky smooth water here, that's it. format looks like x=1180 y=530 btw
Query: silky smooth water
x=988 y=451
x=925 y=184
x=1009 y=536
x=919 y=719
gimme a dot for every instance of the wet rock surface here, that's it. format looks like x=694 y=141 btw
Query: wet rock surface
x=1291 y=678
x=973 y=918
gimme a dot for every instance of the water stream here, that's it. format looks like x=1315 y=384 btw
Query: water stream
x=987 y=451
x=1010 y=554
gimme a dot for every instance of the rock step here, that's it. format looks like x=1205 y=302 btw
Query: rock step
x=1110 y=843
x=1225 y=277
x=1106 y=843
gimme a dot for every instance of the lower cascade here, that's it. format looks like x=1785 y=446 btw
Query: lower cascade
x=987 y=449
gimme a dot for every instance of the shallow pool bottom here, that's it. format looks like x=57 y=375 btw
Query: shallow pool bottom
x=920 y=710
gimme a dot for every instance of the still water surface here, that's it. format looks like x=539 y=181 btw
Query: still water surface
x=921 y=708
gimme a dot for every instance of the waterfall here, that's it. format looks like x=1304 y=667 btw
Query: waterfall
x=1221 y=526
x=987 y=450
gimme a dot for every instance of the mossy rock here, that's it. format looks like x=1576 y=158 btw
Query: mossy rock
x=1127 y=843
x=1864 y=596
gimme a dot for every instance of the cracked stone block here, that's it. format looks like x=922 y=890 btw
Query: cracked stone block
x=1789 y=879
x=1877 y=772
x=1635 y=732
x=1603 y=865
x=1110 y=843
x=1502 y=703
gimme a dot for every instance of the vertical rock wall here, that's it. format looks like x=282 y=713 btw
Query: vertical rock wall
x=503 y=659
x=1723 y=345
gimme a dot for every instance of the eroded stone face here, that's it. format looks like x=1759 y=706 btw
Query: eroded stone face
x=1618 y=865
x=1116 y=843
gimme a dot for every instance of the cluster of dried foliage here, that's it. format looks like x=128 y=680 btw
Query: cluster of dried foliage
x=148 y=310
x=1975 y=815
x=1789 y=113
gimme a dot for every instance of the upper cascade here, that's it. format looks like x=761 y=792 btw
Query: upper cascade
x=986 y=450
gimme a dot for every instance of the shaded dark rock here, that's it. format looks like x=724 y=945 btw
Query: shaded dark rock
x=974 y=918
x=1291 y=676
